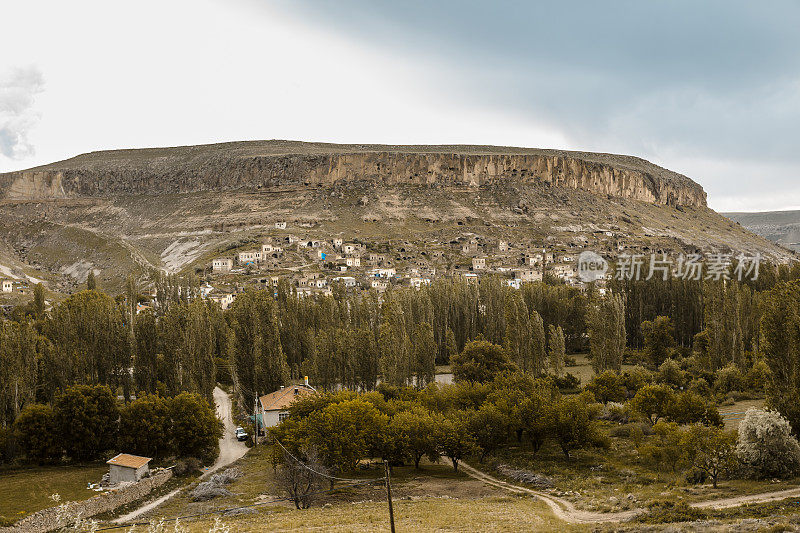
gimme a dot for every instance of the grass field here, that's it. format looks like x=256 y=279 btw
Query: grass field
x=25 y=491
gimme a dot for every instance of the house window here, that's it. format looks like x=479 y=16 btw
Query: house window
x=282 y=416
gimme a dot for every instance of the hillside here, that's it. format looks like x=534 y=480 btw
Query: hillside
x=781 y=227
x=177 y=208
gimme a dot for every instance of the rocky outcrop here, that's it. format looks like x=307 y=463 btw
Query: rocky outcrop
x=264 y=166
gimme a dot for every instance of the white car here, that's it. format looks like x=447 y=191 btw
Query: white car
x=241 y=434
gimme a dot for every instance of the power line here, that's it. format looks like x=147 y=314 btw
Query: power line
x=349 y=480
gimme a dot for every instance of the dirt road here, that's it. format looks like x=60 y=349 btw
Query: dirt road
x=560 y=507
x=230 y=449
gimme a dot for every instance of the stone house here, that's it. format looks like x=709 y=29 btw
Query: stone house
x=352 y=261
x=127 y=468
x=526 y=274
x=222 y=264
x=253 y=256
x=6 y=285
x=478 y=263
x=280 y=225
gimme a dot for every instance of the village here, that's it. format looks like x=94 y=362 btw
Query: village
x=313 y=265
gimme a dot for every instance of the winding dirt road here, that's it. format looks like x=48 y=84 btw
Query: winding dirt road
x=230 y=450
x=560 y=507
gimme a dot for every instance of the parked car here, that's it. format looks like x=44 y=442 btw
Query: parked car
x=241 y=434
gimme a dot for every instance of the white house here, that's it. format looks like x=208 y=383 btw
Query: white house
x=222 y=264
x=274 y=407
x=379 y=284
x=7 y=285
x=353 y=261
x=418 y=282
x=383 y=272
x=205 y=290
x=223 y=299
x=266 y=249
x=337 y=242
x=280 y=225
x=349 y=248
x=348 y=281
x=126 y=467
x=528 y=275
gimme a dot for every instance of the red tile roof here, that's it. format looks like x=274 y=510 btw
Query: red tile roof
x=280 y=399
x=130 y=461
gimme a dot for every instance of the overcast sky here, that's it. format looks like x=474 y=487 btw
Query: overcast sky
x=709 y=89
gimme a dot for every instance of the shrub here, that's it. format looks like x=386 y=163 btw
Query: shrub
x=186 y=466
x=665 y=511
x=207 y=490
x=700 y=386
x=757 y=377
x=766 y=445
x=615 y=412
x=670 y=373
x=729 y=379
x=689 y=407
x=607 y=387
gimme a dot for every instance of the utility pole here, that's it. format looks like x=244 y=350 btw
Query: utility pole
x=389 y=494
x=255 y=423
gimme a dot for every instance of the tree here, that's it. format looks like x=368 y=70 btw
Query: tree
x=91 y=282
x=424 y=354
x=36 y=433
x=607 y=387
x=417 y=428
x=145 y=352
x=301 y=481
x=480 y=361
x=454 y=438
x=38 y=301
x=489 y=428
x=653 y=401
x=537 y=411
x=258 y=361
x=86 y=421
x=145 y=427
x=573 y=426
x=710 y=450
x=20 y=350
x=557 y=350
x=607 y=333
x=689 y=407
x=658 y=339
x=780 y=328
x=194 y=428
x=766 y=445
x=664 y=448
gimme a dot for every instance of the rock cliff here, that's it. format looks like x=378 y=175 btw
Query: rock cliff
x=283 y=165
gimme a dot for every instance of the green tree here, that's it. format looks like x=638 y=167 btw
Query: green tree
x=710 y=450
x=86 y=420
x=145 y=353
x=36 y=433
x=91 y=282
x=489 y=428
x=607 y=333
x=480 y=361
x=454 y=438
x=418 y=427
x=557 y=349
x=573 y=426
x=663 y=449
x=258 y=361
x=607 y=387
x=658 y=339
x=653 y=401
x=144 y=427
x=194 y=428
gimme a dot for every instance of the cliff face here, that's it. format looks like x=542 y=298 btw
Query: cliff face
x=243 y=166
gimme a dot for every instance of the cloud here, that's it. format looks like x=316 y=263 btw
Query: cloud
x=18 y=88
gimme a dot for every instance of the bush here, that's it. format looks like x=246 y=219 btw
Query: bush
x=758 y=376
x=208 y=490
x=567 y=382
x=186 y=466
x=729 y=379
x=607 y=387
x=634 y=429
x=700 y=386
x=766 y=446
x=35 y=432
x=670 y=373
x=664 y=511
x=615 y=412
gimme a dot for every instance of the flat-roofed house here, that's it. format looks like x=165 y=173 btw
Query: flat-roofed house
x=274 y=407
x=126 y=467
x=6 y=285
x=222 y=264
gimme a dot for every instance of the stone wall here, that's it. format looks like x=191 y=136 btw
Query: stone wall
x=57 y=517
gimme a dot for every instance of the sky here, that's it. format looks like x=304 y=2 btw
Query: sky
x=710 y=89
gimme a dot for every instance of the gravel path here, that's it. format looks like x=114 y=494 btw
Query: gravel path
x=230 y=450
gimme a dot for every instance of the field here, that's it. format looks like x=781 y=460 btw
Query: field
x=28 y=490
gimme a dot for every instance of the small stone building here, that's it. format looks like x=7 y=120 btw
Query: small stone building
x=126 y=467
